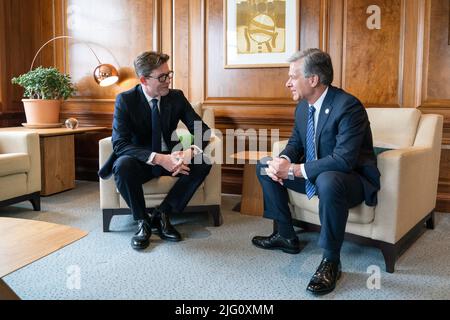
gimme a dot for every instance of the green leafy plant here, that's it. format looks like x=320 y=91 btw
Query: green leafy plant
x=45 y=83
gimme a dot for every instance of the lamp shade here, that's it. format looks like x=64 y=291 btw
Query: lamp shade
x=106 y=75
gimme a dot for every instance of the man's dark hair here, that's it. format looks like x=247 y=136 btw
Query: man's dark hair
x=315 y=62
x=148 y=61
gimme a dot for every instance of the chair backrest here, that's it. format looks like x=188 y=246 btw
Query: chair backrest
x=394 y=127
x=207 y=115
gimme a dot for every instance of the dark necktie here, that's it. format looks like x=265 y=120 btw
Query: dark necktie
x=156 y=127
x=310 y=149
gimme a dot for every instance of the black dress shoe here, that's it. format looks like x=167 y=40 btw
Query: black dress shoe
x=276 y=241
x=163 y=228
x=325 y=278
x=141 y=240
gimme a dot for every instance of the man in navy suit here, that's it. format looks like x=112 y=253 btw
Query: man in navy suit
x=329 y=154
x=145 y=118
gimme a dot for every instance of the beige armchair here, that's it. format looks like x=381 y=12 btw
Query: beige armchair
x=409 y=180
x=207 y=198
x=20 y=168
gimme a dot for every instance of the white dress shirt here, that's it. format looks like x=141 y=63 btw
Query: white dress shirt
x=317 y=105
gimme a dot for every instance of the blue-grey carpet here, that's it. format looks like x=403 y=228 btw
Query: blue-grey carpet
x=212 y=263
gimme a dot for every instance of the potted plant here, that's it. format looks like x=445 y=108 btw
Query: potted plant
x=45 y=89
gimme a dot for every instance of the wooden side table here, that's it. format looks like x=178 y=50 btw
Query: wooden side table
x=57 y=156
x=25 y=241
x=252 y=197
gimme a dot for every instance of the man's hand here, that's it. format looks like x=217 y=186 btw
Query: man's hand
x=278 y=169
x=172 y=162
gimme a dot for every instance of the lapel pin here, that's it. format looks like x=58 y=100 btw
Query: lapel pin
x=327 y=111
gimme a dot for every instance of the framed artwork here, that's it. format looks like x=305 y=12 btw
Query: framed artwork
x=260 y=33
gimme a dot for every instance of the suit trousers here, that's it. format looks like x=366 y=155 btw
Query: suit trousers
x=130 y=174
x=337 y=192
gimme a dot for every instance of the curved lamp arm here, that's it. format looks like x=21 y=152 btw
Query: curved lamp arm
x=104 y=74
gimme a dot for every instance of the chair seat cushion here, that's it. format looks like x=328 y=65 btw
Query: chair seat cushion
x=361 y=214
x=161 y=185
x=12 y=163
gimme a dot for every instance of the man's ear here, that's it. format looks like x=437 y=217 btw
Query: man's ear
x=314 y=80
x=142 y=79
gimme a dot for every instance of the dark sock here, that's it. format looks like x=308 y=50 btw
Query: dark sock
x=286 y=230
x=332 y=255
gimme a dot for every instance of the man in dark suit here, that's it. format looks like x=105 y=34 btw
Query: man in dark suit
x=329 y=154
x=145 y=119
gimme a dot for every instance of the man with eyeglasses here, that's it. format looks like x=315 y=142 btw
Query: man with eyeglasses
x=144 y=119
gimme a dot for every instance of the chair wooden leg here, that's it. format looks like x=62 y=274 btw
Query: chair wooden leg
x=107 y=216
x=36 y=201
x=214 y=211
x=390 y=256
x=430 y=221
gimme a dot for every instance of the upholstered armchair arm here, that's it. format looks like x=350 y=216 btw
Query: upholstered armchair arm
x=208 y=117
x=25 y=142
x=213 y=182
x=108 y=195
x=408 y=191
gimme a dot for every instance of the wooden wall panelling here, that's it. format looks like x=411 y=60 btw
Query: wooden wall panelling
x=167 y=27
x=310 y=24
x=245 y=98
x=2 y=58
x=433 y=77
x=436 y=68
x=20 y=34
x=181 y=46
x=126 y=31
x=412 y=52
x=232 y=85
x=196 y=50
x=371 y=60
x=335 y=38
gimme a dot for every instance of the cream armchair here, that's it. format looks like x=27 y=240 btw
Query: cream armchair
x=409 y=180
x=20 y=168
x=208 y=195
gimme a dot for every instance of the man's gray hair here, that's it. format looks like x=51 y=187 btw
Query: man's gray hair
x=315 y=62
x=148 y=61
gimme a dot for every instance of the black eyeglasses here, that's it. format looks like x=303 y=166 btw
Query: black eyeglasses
x=163 y=77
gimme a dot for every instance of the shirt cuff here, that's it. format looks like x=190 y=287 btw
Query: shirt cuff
x=150 y=159
x=196 y=150
x=286 y=157
x=302 y=168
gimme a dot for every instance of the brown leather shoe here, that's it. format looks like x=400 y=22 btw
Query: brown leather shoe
x=325 y=278
x=276 y=242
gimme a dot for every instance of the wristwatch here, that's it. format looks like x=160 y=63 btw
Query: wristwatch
x=291 y=175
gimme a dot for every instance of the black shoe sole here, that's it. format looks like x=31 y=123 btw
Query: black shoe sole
x=167 y=238
x=139 y=248
x=285 y=250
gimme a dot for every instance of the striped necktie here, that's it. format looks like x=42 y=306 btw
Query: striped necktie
x=310 y=149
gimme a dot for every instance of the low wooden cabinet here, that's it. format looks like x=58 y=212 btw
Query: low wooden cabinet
x=57 y=163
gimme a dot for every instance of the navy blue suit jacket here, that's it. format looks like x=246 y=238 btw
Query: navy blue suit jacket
x=343 y=141
x=132 y=124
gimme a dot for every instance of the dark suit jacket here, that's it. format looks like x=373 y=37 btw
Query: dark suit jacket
x=343 y=141
x=132 y=125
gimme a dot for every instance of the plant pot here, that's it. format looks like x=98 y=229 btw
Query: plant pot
x=42 y=112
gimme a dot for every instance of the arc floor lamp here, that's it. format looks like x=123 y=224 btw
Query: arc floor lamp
x=104 y=74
